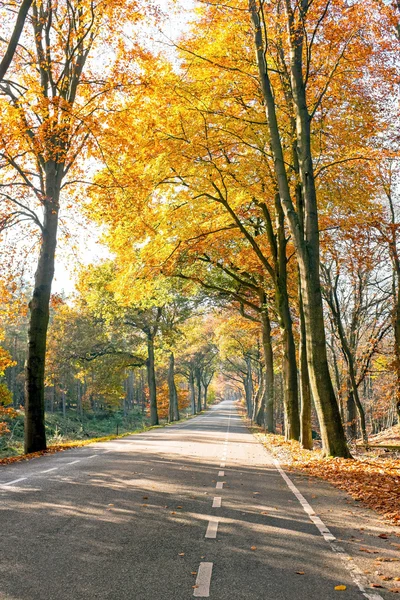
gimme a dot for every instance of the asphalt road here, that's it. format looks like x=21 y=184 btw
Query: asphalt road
x=193 y=510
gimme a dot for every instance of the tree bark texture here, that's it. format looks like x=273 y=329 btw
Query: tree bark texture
x=173 y=409
x=151 y=380
x=268 y=399
x=305 y=238
x=305 y=388
x=35 y=435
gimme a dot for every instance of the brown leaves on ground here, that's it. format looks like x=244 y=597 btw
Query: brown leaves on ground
x=50 y=450
x=375 y=481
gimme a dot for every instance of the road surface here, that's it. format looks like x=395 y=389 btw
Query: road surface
x=197 y=509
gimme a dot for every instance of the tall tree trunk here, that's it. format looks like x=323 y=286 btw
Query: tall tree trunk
x=205 y=394
x=305 y=388
x=151 y=380
x=173 y=410
x=79 y=398
x=360 y=407
x=63 y=401
x=198 y=384
x=192 y=392
x=306 y=239
x=289 y=364
x=268 y=402
x=259 y=403
x=248 y=388
x=35 y=435
x=351 y=414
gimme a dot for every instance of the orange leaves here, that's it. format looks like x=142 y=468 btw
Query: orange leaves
x=375 y=482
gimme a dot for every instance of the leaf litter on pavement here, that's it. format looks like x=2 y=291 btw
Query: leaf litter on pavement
x=374 y=481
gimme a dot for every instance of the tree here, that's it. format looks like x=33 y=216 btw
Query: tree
x=50 y=105
x=15 y=36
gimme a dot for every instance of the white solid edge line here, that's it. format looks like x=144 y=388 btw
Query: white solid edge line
x=14 y=481
x=48 y=470
x=356 y=574
x=220 y=485
x=221 y=473
x=217 y=502
x=203 y=580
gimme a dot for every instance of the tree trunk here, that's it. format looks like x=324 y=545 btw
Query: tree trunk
x=192 y=392
x=305 y=389
x=268 y=402
x=173 y=410
x=360 y=407
x=79 y=398
x=205 y=392
x=63 y=401
x=351 y=415
x=35 y=435
x=198 y=383
x=289 y=364
x=306 y=239
x=151 y=380
x=248 y=388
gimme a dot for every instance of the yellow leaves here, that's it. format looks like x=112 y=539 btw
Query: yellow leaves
x=6 y=361
x=340 y=588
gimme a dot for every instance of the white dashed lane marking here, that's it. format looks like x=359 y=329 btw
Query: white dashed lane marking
x=217 y=502
x=14 y=481
x=220 y=485
x=203 y=580
x=221 y=473
x=49 y=470
x=212 y=528
x=73 y=462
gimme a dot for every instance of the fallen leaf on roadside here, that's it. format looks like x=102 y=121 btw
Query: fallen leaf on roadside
x=181 y=554
x=253 y=548
x=376 y=585
x=383 y=536
x=372 y=481
x=395 y=590
x=193 y=573
x=299 y=572
x=340 y=588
